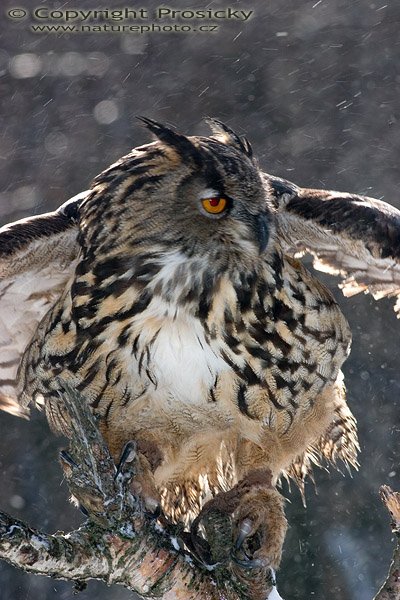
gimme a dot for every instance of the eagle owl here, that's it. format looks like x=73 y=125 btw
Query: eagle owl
x=171 y=296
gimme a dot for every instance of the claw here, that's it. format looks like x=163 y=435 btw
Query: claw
x=254 y=563
x=83 y=510
x=66 y=457
x=246 y=528
x=199 y=549
x=127 y=456
x=153 y=514
x=240 y=554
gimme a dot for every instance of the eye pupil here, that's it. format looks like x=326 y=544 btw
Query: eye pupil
x=214 y=205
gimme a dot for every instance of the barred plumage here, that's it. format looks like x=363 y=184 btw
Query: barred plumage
x=174 y=303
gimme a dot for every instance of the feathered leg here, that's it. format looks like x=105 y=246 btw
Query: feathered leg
x=258 y=521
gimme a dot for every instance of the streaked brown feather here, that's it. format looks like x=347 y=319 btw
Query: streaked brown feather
x=202 y=338
x=355 y=237
x=37 y=256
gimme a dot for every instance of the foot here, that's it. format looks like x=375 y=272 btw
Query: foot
x=259 y=530
x=256 y=523
x=135 y=468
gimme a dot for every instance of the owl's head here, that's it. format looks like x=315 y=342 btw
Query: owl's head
x=199 y=198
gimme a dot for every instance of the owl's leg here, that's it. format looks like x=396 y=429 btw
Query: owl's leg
x=259 y=523
x=148 y=457
x=259 y=527
x=143 y=485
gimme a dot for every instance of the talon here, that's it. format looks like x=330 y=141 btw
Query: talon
x=127 y=456
x=255 y=563
x=155 y=513
x=246 y=528
x=83 y=510
x=198 y=548
x=66 y=457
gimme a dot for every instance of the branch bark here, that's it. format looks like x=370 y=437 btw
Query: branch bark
x=119 y=543
x=390 y=590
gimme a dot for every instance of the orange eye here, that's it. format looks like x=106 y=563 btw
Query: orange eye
x=214 y=205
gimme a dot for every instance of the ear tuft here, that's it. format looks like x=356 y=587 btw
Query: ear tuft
x=179 y=142
x=227 y=136
x=247 y=147
x=161 y=132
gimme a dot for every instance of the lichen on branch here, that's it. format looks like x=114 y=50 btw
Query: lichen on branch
x=119 y=543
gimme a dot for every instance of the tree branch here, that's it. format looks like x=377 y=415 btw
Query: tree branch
x=119 y=543
x=390 y=590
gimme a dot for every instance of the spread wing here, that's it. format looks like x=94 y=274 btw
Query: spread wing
x=37 y=256
x=353 y=236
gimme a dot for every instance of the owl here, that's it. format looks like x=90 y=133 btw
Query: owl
x=171 y=295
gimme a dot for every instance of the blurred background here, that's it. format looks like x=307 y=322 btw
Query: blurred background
x=315 y=86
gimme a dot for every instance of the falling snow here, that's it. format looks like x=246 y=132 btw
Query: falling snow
x=315 y=86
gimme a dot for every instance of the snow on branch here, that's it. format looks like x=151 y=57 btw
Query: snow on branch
x=119 y=543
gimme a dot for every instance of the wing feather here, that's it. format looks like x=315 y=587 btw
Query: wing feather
x=355 y=237
x=37 y=257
